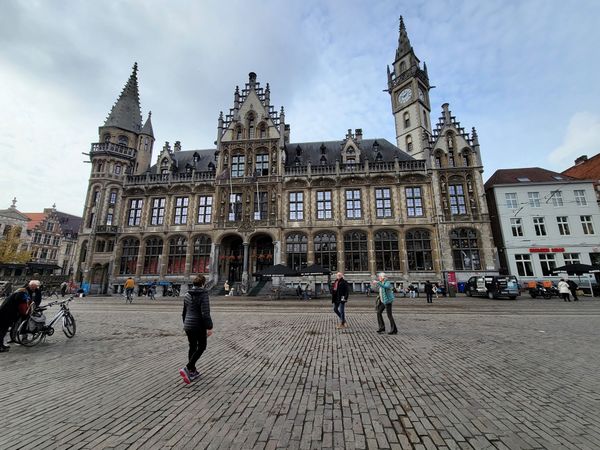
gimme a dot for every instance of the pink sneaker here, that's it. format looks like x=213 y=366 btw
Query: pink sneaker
x=185 y=374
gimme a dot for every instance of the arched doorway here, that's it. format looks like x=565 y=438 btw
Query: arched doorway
x=231 y=260
x=261 y=253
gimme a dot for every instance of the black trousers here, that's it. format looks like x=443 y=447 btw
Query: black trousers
x=429 y=297
x=388 y=309
x=197 y=340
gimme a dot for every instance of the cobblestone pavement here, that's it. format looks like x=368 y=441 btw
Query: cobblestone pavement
x=461 y=373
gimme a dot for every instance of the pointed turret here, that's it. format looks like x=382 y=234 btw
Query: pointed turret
x=147 y=129
x=403 y=42
x=126 y=113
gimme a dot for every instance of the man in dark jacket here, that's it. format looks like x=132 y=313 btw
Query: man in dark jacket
x=573 y=288
x=429 y=291
x=197 y=324
x=13 y=306
x=339 y=296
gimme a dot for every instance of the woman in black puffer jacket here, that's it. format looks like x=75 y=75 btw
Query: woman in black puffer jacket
x=197 y=324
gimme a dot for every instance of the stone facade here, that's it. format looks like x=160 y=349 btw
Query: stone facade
x=414 y=210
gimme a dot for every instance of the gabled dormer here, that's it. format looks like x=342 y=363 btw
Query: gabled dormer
x=165 y=163
x=351 y=153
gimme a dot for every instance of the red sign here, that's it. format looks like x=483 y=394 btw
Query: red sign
x=452 y=278
x=547 y=250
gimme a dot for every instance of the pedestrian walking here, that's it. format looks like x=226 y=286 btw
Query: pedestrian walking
x=563 y=289
x=226 y=287
x=339 y=296
x=197 y=325
x=429 y=291
x=152 y=290
x=573 y=289
x=384 y=302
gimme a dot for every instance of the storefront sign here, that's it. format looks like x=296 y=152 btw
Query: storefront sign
x=547 y=250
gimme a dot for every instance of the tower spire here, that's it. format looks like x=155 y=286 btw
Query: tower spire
x=126 y=113
x=403 y=42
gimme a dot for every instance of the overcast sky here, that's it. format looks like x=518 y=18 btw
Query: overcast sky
x=524 y=73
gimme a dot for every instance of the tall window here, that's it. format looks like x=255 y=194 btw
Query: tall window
x=548 y=263
x=353 y=204
x=262 y=164
x=177 y=253
x=324 y=206
x=238 y=165
x=251 y=126
x=109 y=218
x=205 y=208
x=557 y=199
x=117 y=169
x=409 y=143
x=387 y=254
x=47 y=239
x=326 y=251
x=296 y=248
x=572 y=258
x=563 y=225
x=580 y=199
x=438 y=162
x=238 y=133
x=356 y=254
x=586 y=224
x=465 y=249
x=534 y=199
x=383 y=203
x=516 y=225
x=523 y=263
x=37 y=237
x=418 y=249
x=406 y=120
x=260 y=205
x=457 y=199
x=113 y=197
x=201 y=255
x=181 y=210
x=262 y=131
x=95 y=197
x=235 y=207
x=451 y=161
x=123 y=140
x=153 y=251
x=296 y=205
x=414 y=201
x=158 y=211
x=129 y=256
x=465 y=159
x=511 y=200
x=135 y=212
x=539 y=226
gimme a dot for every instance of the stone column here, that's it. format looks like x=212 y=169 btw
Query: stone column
x=276 y=259
x=215 y=249
x=163 y=258
x=371 y=252
x=245 y=276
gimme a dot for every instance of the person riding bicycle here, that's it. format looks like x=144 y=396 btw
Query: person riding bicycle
x=129 y=286
x=13 y=306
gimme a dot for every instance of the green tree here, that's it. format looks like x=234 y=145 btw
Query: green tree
x=9 y=248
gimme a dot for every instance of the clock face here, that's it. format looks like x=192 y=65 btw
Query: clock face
x=421 y=95
x=405 y=95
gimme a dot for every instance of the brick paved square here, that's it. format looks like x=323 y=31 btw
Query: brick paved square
x=461 y=373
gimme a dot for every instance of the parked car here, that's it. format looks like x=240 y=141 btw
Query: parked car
x=493 y=287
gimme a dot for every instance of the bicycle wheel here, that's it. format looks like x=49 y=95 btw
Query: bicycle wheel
x=26 y=337
x=69 y=327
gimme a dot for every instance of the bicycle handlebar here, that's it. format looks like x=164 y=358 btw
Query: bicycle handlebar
x=59 y=302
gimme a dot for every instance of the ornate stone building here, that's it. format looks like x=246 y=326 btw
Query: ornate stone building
x=360 y=205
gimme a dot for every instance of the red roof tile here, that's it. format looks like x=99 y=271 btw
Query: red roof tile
x=587 y=170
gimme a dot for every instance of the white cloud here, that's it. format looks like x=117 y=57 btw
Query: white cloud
x=582 y=138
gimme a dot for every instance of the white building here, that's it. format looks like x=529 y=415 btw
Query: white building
x=542 y=220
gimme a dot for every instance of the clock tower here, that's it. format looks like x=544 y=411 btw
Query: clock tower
x=408 y=85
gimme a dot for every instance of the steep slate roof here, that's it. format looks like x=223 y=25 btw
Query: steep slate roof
x=147 y=129
x=587 y=170
x=183 y=158
x=313 y=151
x=126 y=113
x=533 y=175
x=13 y=213
x=69 y=223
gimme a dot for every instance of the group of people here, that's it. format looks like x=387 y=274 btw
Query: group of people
x=15 y=306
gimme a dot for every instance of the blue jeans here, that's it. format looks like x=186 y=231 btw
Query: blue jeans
x=340 y=309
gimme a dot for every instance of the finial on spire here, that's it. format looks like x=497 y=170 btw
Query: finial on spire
x=54 y=206
x=14 y=202
x=403 y=42
x=402 y=27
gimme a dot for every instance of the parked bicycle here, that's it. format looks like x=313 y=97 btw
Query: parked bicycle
x=33 y=330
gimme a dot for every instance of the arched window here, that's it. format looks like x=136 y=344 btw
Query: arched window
x=100 y=167
x=409 y=143
x=83 y=255
x=129 y=256
x=106 y=137
x=465 y=249
x=118 y=169
x=123 y=140
x=451 y=161
x=406 y=119
x=262 y=131
x=296 y=248
x=356 y=254
x=326 y=250
x=201 y=254
x=177 y=253
x=387 y=254
x=238 y=132
x=153 y=251
x=262 y=164
x=466 y=160
x=418 y=249
x=250 y=126
x=164 y=166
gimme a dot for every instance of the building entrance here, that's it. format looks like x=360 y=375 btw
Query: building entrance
x=231 y=259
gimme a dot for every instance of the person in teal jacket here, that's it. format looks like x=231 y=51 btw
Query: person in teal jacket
x=385 y=300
